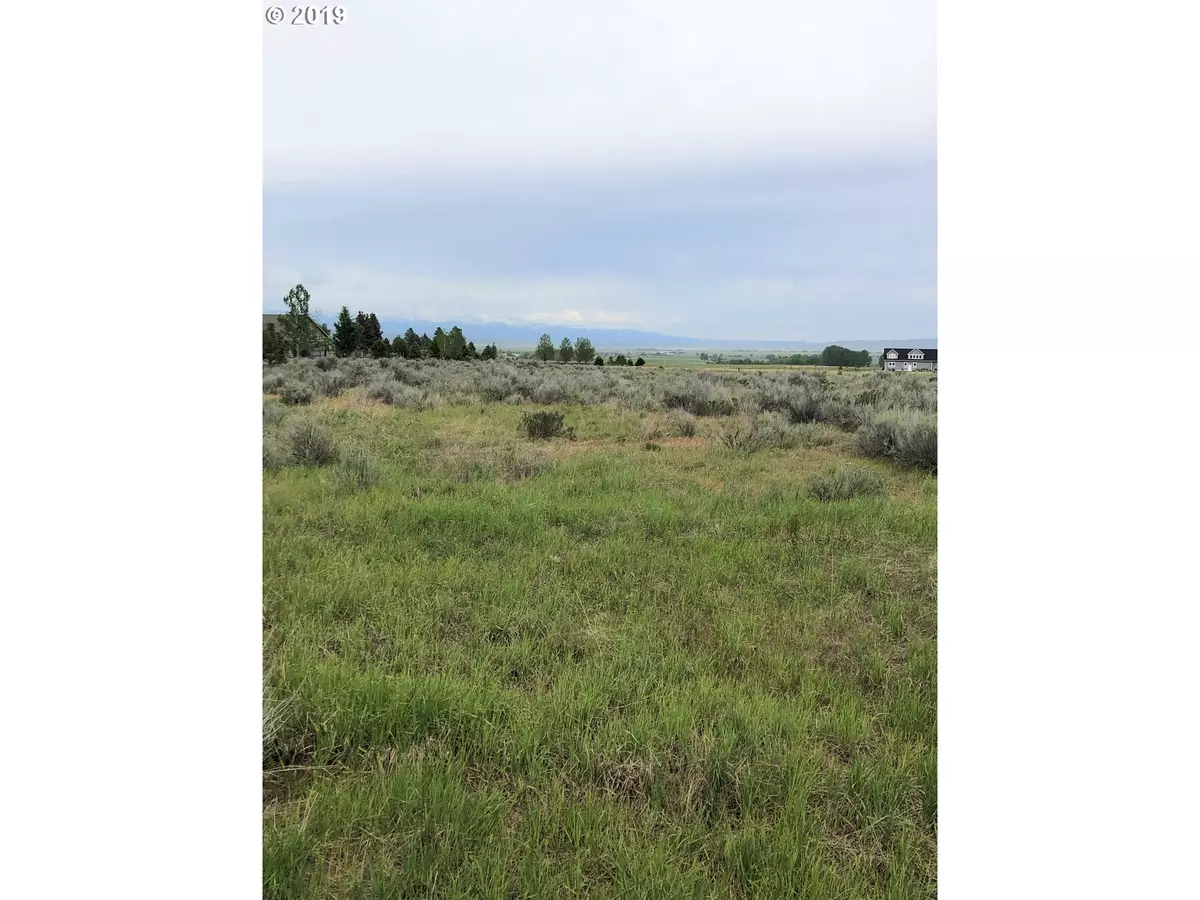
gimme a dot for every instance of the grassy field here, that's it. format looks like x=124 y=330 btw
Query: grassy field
x=662 y=655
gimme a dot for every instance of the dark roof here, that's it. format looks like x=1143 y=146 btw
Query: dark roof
x=930 y=355
x=273 y=319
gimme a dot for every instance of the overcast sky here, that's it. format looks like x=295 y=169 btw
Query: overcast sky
x=757 y=170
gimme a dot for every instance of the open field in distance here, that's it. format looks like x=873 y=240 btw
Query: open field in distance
x=684 y=645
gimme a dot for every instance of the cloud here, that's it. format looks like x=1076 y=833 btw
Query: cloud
x=478 y=86
x=759 y=170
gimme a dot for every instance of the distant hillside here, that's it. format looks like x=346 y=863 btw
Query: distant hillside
x=525 y=337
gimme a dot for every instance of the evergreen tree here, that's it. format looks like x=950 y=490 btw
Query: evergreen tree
x=363 y=325
x=376 y=330
x=640 y=362
x=413 y=344
x=345 y=334
x=426 y=345
x=275 y=346
x=295 y=324
x=620 y=360
x=599 y=361
x=565 y=351
x=490 y=352
x=400 y=347
x=472 y=353
x=437 y=347
x=584 y=351
x=456 y=344
x=545 y=348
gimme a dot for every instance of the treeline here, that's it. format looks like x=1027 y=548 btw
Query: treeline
x=832 y=355
x=362 y=336
x=581 y=351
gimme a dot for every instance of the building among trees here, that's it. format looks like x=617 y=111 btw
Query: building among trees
x=319 y=344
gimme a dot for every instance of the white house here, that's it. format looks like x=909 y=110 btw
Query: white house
x=908 y=360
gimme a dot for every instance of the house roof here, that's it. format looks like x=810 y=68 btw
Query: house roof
x=273 y=319
x=902 y=352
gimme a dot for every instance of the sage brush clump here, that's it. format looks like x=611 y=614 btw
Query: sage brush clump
x=310 y=444
x=910 y=440
x=845 y=483
x=356 y=471
x=544 y=425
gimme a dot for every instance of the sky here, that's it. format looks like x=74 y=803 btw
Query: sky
x=764 y=170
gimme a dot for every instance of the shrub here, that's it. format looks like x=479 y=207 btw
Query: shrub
x=296 y=393
x=356 y=471
x=910 y=440
x=651 y=430
x=814 y=434
x=273 y=414
x=544 y=425
x=802 y=408
x=757 y=434
x=326 y=363
x=311 y=444
x=918 y=447
x=334 y=384
x=546 y=394
x=842 y=414
x=682 y=423
x=700 y=399
x=273 y=381
x=845 y=483
x=274 y=457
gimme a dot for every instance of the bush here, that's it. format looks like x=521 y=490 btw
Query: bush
x=651 y=430
x=682 y=423
x=357 y=471
x=908 y=439
x=326 y=363
x=297 y=393
x=700 y=400
x=814 y=434
x=918 y=447
x=273 y=381
x=273 y=414
x=274 y=458
x=311 y=444
x=845 y=483
x=333 y=384
x=758 y=434
x=544 y=425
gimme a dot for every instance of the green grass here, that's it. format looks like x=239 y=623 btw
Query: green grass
x=600 y=672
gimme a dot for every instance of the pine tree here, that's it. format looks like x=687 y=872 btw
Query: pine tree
x=413 y=343
x=295 y=323
x=456 y=344
x=437 y=347
x=345 y=334
x=545 y=348
x=275 y=346
x=400 y=347
x=490 y=352
x=584 y=351
x=363 y=325
x=599 y=361
x=426 y=345
x=640 y=362
x=565 y=351
x=376 y=330
x=472 y=353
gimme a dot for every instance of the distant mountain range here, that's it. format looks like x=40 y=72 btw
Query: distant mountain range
x=509 y=336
